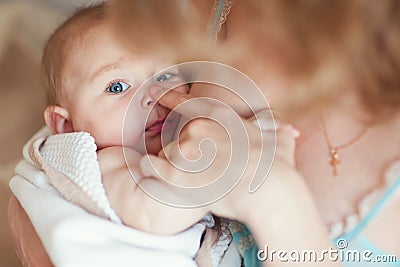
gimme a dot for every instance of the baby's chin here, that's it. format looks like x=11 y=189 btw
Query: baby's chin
x=153 y=146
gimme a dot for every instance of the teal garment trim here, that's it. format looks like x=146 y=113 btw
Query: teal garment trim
x=360 y=243
x=245 y=243
x=250 y=257
x=363 y=242
x=371 y=214
x=215 y=22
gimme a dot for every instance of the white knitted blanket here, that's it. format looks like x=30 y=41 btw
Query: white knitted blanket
x=70 y=162
x=60 y=170
x=66 y=166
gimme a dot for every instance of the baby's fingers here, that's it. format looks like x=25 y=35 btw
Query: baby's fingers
x=286 y=146
x=171 y=99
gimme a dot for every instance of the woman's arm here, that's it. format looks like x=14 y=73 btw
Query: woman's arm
x=28 y=245
x=281 y=213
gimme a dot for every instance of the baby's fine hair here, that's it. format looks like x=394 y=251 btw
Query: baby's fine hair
x=55 y=54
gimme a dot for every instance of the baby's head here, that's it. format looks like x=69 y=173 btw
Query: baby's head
x=91 y=78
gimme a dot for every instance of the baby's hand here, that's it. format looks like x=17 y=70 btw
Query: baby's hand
x=249 y=167
x=124 y=184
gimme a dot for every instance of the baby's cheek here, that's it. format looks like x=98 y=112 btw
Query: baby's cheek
x=132 y=134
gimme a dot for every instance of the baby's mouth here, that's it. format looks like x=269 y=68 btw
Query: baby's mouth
x=156 y=126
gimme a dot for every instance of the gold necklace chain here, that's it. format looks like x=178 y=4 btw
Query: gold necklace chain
x=334 y=159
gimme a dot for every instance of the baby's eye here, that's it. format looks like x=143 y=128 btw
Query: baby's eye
x=117 y=87
x=163 y=77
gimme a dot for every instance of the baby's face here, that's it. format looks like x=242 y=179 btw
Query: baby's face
x=102 y=79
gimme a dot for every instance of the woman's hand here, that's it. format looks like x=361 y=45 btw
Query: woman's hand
x=256 y=150
x=279 y=210
x=28 y=246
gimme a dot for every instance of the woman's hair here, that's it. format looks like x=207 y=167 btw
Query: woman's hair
x=325 y=47
x=55 y=55
x=334 y=46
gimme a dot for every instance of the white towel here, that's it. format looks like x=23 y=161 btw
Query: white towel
x=71 y=235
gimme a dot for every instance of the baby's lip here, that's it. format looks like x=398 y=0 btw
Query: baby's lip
x=155 y=126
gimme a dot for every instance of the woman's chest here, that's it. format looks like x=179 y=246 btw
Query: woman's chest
x=337 y=196
x=383 y=230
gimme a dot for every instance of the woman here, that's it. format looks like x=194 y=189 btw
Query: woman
x=338 y=59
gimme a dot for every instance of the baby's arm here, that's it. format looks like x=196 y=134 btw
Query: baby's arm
x=131 y=203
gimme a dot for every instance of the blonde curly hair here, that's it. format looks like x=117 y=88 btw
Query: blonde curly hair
x=328 y=46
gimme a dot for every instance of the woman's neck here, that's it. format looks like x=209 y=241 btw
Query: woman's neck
x=363 y=162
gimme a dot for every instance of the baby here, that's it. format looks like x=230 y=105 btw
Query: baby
x=91 y=78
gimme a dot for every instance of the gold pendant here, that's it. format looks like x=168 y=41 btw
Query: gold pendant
x=334 y=160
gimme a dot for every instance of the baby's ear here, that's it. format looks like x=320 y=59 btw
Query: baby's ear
x=58 y=120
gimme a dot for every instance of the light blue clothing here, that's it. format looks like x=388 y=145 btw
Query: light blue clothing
x=213 y=27
x=245 y=244
x=358 y=251
x=356 y=241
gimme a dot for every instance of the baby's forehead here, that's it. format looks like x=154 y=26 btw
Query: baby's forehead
x=76 y=34
x=82 y=33
x=70 y=45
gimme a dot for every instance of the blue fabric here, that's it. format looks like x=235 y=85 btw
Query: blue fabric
x=213 y=27
x=356 y=241
x=368 y=254
x=373 y=212
x=245 y=244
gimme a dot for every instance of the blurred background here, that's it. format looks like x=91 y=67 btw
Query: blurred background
x=25 y=26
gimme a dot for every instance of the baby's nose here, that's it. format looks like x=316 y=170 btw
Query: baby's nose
x=147 y=102
x=152 y=96
x=148 y=99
